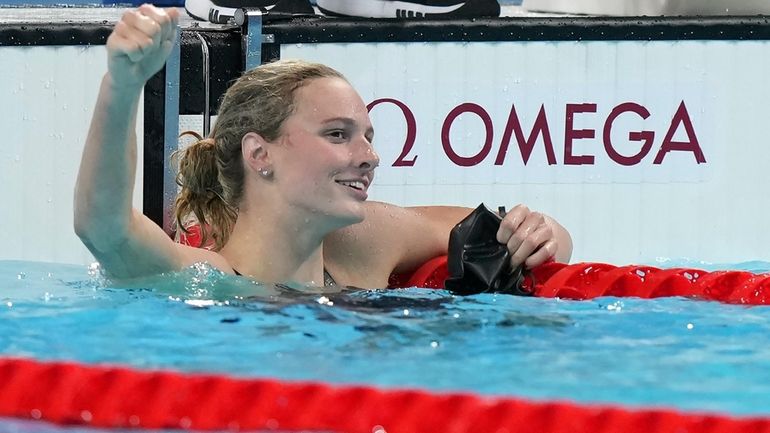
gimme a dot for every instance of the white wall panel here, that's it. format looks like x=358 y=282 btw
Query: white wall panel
x=47 y=96
x=711 y=211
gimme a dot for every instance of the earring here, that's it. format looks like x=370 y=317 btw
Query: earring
x=266 y=173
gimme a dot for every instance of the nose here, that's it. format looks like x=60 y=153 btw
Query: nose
x=367 y=158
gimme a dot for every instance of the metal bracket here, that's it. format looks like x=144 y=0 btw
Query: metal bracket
x=206 y=84
x=171 y=132
x=250 y=21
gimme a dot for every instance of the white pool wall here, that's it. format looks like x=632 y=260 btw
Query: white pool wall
x=47 y=95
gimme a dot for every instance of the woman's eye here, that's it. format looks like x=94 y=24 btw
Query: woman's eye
x=337 y=134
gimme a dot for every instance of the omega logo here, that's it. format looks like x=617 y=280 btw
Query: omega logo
x=542 y=130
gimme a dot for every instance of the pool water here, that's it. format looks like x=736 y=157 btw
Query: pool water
x=668 y=352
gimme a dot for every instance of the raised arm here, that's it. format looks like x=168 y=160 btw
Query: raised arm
x=125 y=242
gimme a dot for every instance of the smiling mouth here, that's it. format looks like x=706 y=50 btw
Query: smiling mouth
x=355 y=184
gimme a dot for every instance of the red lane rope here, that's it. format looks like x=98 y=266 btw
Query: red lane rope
x=112 y=397
x=590 y=280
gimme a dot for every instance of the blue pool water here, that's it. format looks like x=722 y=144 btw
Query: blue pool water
x=673 y=352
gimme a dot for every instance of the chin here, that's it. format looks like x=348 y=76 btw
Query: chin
x=352 y=214
x=356 y=217
x=341 y=216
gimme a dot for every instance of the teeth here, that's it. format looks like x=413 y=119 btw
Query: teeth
x=353 y=184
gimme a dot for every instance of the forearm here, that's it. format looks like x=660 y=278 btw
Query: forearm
x=104 y=189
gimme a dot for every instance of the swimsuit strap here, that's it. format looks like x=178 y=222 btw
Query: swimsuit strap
x=328 y=279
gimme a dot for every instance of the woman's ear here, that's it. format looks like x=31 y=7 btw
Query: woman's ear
x=255 y=152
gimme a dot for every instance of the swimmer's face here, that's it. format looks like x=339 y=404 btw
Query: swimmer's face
x=326 y=162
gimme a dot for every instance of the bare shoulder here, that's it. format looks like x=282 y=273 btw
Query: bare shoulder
x=192 y=255
x=390 y=239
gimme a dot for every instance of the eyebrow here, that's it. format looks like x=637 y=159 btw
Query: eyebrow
x=348 y=122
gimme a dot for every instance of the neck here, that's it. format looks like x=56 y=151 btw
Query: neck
x=273 y=247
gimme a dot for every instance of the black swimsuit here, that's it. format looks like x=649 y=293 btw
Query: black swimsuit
x=328 y=279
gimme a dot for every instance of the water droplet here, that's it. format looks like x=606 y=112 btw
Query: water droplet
x=434 y=344
x=690 y=326
x=9 y=304
x=21 y=276
x=406 y=312
x=93 y=269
